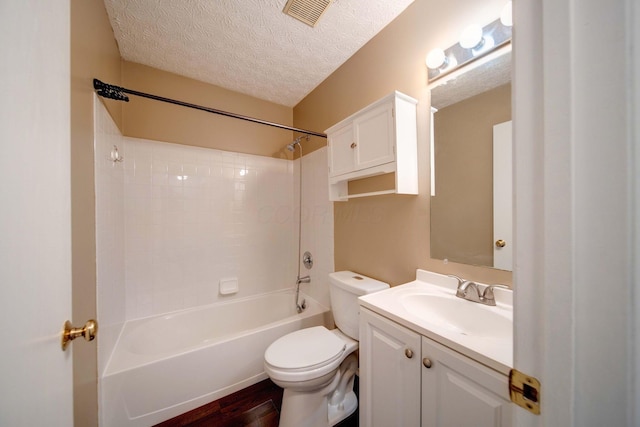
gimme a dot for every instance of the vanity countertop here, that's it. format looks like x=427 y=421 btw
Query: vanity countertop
x=487 y=343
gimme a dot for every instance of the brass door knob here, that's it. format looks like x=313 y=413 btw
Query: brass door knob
x=88 y=331
x=501 y=243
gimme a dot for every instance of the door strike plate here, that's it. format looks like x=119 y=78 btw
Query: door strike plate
x=524 y=391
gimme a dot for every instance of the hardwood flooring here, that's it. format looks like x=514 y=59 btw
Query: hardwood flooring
x=255 y=406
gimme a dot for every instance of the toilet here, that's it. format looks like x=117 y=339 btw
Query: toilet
x=316 y=366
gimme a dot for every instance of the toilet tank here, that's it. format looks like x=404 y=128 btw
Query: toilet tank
x=344 y=289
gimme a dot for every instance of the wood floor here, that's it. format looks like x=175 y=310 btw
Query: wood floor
x=255 y=406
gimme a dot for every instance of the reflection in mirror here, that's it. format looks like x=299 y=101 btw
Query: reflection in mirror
x=465 y=226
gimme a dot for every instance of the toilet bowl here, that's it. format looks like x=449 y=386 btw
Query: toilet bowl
x=316 y=366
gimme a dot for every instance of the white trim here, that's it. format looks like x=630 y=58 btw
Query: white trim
x=633 y=49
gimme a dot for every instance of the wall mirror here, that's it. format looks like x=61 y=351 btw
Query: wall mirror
x=471 y=171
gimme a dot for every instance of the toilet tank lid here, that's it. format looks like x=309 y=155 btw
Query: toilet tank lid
x=355 y=283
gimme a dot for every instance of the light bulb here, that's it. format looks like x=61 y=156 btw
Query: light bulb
x=471 y=37
x=506 y=16
x=436 y=59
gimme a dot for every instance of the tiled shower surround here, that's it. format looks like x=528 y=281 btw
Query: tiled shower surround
x=194 y=216
x=173 y=220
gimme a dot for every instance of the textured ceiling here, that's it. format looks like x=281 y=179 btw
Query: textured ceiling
x=249 y=46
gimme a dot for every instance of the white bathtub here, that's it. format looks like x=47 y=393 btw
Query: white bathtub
x=166 y=365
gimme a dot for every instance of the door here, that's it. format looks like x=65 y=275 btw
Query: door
x=502 y=197
x=341 y=151
x=576 y=175
x=457 y=391
x=35 y=243
x=374 y=135
x=389 y=373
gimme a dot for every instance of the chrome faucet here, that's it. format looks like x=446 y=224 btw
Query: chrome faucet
x=470 y=291
x=467 y=289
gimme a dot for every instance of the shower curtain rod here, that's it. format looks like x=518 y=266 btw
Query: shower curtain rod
x=118 y=93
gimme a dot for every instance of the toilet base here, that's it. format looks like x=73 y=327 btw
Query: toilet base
x=338 y=413
x=313 y=410
x=325 y=407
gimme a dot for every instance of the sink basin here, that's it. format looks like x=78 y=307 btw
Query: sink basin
x=430 y=307
x=459 y=315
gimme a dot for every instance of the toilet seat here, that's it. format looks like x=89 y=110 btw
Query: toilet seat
x=305 y=354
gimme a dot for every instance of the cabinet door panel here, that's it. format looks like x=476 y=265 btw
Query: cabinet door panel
x=341 y=154
x=374 y=134
x=459 y=392
x=389 y=380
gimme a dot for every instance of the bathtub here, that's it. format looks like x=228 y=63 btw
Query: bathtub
x=166 y=365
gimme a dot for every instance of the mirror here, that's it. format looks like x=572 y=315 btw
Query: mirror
x=465 y=226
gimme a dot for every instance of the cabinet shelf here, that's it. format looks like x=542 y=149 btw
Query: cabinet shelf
x=379 y=139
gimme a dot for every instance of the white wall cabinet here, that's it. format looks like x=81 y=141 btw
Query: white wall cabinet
x=379 y=139
x=434 y=387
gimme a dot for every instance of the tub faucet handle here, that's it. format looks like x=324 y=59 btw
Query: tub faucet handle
x=488 y=297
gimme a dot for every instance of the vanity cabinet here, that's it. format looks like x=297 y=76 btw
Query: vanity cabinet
x=379 y=139
x=389 y=373
x=410 y=380
x=458 y=391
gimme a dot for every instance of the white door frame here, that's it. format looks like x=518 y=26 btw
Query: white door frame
x=574 y=192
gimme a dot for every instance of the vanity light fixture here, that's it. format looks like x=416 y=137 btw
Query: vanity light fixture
x=437 y=59
x=475 y=42
x=471 y=37
x=506 y=16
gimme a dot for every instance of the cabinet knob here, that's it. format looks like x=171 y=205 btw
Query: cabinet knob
x=354 y=145
x=408 y=352
x=427 y=362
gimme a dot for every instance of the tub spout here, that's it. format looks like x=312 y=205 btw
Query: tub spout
x=304 y=279
x=301 y=306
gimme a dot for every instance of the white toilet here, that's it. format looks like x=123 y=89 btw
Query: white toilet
x=316 y=366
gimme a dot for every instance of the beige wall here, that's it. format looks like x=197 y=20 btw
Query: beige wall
x=387 y=237
x=94 y=53
x=144 y=118
x=462 y=209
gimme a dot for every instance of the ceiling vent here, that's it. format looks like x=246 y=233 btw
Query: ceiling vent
x=307 y=11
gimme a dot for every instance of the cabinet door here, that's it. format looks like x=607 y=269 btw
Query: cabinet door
x=341 y=151
x=389 y=378
x=459 y=392
x=375 y=137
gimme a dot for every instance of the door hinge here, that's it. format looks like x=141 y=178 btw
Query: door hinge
x=524 y=391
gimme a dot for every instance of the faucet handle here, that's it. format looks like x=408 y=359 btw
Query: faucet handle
x=487 y=294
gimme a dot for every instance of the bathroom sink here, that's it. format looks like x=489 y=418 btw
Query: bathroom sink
x=458 y=315
x=430 y=307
